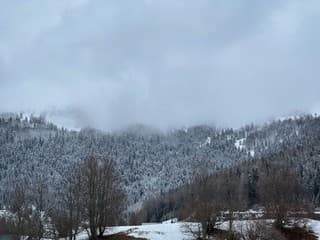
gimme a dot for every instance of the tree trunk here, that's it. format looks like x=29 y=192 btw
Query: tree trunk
x=230 y=221
x=101 y=231
x=93 y=232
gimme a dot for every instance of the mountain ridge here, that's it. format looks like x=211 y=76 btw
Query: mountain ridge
x=148 y=163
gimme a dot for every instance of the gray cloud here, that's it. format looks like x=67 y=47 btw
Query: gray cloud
x=165 y=63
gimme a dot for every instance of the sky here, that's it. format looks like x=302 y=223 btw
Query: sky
x=110 y=64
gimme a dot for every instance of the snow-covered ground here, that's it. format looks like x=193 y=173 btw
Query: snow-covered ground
x=177 y=231
x=174 y=231
x=314 y=225
x=154 y=231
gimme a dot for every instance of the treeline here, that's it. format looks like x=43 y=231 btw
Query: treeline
x=149 y=161
x=91 y=198
x=281 y=183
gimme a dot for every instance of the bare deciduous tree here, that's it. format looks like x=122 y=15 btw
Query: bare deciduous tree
x=102 y=196
x=70 y=205
x=229 y=194
x=204 y=206
x=18 y=204
x=282 y=193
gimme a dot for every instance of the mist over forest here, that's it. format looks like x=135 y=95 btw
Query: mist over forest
x=159 y=120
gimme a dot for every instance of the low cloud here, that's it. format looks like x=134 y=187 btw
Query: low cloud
x=109 y=64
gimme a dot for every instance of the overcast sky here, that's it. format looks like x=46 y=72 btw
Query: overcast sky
x=166 y=63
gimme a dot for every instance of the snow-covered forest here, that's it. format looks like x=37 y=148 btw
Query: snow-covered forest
x=159 y=120
x=157 y=169
x=149 y=161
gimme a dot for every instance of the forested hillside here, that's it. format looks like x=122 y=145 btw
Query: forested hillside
x=275 y=179
x=149 y=161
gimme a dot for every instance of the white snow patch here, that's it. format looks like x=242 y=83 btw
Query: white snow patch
x=314 y=225
x=251 y=153
x=239 y=144
x=6 y=214
x=207 y=142
x=174 y=231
